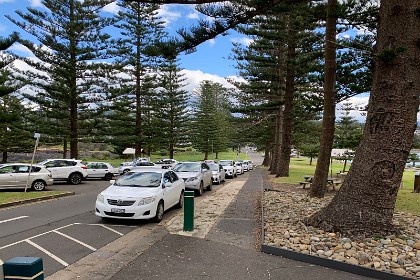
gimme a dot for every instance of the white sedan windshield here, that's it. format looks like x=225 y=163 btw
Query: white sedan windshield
x=140 y=179
x=188 y=167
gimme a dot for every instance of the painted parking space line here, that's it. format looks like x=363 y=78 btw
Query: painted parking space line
x=75 y=240
x=13 y=219
x=38 y=235
x=46 y=252
x=111 y=229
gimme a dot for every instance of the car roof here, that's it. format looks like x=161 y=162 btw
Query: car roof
x=145 y=169
x=17 y=163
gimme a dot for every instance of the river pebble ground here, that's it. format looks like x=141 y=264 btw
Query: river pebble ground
x=284 y=211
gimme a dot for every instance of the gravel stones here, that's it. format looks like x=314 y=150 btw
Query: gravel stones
x=284 y=212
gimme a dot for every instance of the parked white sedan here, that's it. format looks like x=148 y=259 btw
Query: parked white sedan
x=197 y=176
x=102 y=170
x=141 y=194
x=15 y=175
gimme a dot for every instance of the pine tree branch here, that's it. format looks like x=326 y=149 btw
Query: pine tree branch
x=207 y=30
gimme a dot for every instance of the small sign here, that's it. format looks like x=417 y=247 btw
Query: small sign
x=37 y=135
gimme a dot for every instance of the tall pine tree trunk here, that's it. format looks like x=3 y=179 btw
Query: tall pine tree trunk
x=266 y=161
x=171 y=151
x=4 y=159
x=275 y=150
x=366 y=201
x=74 y=129
x=287 y=119
x=319 y=185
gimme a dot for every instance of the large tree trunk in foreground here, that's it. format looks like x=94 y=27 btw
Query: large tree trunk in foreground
x=319 y=185
x=365 y=203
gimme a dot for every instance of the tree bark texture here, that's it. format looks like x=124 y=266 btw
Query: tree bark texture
x=365 y=203
x=319 y=185
x=267 y=159
x=287 y=120
x=277 y=142
x=4 y=157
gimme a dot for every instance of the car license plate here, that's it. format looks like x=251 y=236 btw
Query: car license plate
x=117 y=210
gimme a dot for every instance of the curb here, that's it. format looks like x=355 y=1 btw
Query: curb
x=27 y=201
x=311 y=259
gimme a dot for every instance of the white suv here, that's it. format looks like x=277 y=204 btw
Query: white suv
x=70 y=170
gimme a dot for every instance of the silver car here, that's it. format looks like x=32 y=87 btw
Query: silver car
x=196 y=176
x=15 y=175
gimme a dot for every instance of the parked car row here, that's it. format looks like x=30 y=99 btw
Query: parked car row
x=44 y=173
x=146 y=192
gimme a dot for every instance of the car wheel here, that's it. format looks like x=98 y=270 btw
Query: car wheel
x=159 y=212
x=39 y=185
x=181 y=200
x=210 y=187
x=75 y=178
x=200 y=191
x=108 y=176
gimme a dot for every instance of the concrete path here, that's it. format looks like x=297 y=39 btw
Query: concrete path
x=223 y=246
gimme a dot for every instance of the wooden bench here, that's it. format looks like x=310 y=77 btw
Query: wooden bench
x=304 y=183
x=334 y=183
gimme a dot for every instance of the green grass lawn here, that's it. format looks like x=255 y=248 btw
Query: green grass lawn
x=6 y=196
x=407 y=201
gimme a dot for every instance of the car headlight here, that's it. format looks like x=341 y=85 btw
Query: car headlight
x=100 y=198
x=147 y=200
x=192 y=179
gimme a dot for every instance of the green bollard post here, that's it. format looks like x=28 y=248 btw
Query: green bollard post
x=188 y=210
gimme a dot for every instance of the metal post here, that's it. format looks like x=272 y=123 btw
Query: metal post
x=37 y=136
x=188 y=210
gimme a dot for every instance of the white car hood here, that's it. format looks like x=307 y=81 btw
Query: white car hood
x=127 y=192
x=188 y=174
x=227 y=167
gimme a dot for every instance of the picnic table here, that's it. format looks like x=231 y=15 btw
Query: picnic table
x=332 y=182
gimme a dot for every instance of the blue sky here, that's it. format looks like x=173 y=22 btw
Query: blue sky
x=209 y=62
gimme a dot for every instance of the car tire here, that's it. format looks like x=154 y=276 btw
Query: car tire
x=210 y=187
x=39 y=185
x=159 y=212
x=125 y=171
x=108 y=176
x=75 y=178
x=200 y=191
x=181 y=200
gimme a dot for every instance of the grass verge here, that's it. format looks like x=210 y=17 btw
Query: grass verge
x=407 y=201
x=7 y=197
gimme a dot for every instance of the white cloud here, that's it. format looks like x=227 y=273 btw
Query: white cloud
x=360 y=103
x=243 y=40
x=112 y=8
x=6 y=1
x=35 y=3
x=195 y=77
x=211 y=42
x=193 y=15
x=168 y=15
x=21 y=48
x=2 y=27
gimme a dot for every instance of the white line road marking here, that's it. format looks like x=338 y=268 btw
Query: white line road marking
x=47 y=252
x=113 y=230
x=75 y=240
x=14 y=219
